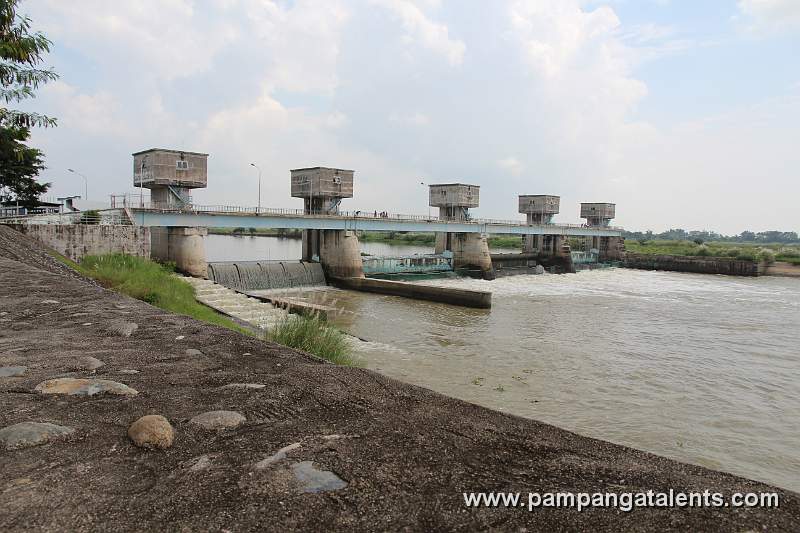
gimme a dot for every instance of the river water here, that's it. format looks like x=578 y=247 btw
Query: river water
x=700 y=368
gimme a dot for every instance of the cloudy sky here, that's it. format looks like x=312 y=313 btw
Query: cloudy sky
x=684 y=113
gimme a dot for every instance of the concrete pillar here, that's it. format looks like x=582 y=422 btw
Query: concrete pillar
x=310 y=247
x=612 y=248
x=340 y=254
x=182 y=245
x=471 y=250
x=441 y=244
x=531 y=244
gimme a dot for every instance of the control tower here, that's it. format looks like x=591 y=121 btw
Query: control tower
x=598 y=213
x=601 y=214
x=454 y=199
x=470 y=250
x=170 y=175
x=322 y=188
x=539 y=209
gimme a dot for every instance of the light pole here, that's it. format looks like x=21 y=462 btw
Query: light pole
x=85 y=184
x=429 y=204
x=259 y=186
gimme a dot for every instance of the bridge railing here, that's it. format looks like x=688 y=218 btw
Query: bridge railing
x=370 y=215
x=114 y=217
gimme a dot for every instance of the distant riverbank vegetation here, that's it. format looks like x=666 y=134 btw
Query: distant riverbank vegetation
x=282 y=233
x=733 y=250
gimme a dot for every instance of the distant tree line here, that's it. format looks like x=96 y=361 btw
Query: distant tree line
x=783 y=237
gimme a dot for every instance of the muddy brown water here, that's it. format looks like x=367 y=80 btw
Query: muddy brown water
x=700 y=368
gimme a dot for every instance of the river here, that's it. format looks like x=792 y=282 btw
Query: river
x=704 y=369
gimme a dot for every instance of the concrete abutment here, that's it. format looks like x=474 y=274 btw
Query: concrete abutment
x=185 y=246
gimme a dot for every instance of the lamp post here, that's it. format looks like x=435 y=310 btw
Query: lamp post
x=429 y=204
x=85 y=184
x=259 y=186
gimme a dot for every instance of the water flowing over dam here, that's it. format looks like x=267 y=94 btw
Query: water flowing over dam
x=262 y=275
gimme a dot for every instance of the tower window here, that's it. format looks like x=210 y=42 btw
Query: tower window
x=182 y=164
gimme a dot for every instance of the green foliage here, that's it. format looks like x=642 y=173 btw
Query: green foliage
x=315 y=336
x=698 y=241
x=702 y=251
x=19 y=166
x=766 y=255
x=21 y=52
x=91 y=216
x=238 y=231
x=152 y=283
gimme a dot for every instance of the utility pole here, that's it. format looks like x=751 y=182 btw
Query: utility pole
x=85 y=184
x=259 y=186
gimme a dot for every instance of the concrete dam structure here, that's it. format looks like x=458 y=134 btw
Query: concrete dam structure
x=262 y=275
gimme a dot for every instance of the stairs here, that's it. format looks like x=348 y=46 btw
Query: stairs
x=228 y=301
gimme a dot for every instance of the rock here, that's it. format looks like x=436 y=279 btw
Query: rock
x=244 y=386
x=280 y=455
x=89 y=363
x=179 y=338
x=193 y=351
x=152 y=431
x=86 y=324
x=50 y=302
x=203 y=463
x=27 y=434
x=313 y=480
x=247 y=353
x=84 y=387
x=128 y=371
x=122 y=328
x=12 y=371
x=218 y=420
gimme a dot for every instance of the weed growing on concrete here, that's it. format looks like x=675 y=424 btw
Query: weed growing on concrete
x=150 y=282
x=315 y=336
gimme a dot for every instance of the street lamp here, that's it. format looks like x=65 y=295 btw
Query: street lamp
x=259 y=186
x=429 y=204
x=85 y=184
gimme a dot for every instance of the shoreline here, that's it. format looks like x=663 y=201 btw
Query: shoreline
x=405 y=453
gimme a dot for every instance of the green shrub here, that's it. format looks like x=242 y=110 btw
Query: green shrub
x=91 y=217
x=702 y=251
x=312 y=335
x=746 y=255
x=732 y=252
x=766 y=255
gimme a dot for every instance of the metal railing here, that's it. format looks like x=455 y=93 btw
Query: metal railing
x=370 y=215
x=111 y=217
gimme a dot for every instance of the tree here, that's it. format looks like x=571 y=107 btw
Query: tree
x=19 y=166
x=20 y=56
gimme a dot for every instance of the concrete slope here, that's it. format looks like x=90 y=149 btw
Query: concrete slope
x=309 y=446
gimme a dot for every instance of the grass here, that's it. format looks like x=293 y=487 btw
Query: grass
x=743 y=251
x=313 y=335
x=150 y=282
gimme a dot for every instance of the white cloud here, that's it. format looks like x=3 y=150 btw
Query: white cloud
x=768 y=16
x=419 y=28
x=512 y=165
x=413 y=119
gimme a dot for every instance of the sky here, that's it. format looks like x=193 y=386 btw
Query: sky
x=683 y=113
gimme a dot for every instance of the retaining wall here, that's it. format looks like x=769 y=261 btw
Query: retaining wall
x=76 y=241
x=699 y=265
x=463 y=297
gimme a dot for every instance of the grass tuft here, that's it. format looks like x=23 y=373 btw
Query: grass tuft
x=315 y=336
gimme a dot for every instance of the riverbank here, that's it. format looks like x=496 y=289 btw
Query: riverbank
x=402 y=455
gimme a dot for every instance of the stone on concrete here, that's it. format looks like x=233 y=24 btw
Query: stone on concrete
x=84 y=387
x=122 y=328
x=193 y=351
x=313 y=480
x=49 y=302
x=89 y=363
x=278 y=456
x=152 y=431
x=12 y=371
x=244 y=386
x=218 y=420
x=202 y=463
x=27 y=434
x=128 y=371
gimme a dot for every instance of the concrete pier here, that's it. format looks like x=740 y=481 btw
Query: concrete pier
x=184 y=246
x=340 y=254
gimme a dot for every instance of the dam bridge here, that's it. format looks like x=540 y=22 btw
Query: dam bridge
x=177 y=225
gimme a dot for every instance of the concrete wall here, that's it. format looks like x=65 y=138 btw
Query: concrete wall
x=699 y=265
x=77 y=241
x=340 y=254
x=471 y=251
x=463 y=297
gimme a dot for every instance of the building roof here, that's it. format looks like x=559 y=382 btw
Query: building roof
x=452 y=185
x=169 y=150
x=538 y=195
x=321 y=168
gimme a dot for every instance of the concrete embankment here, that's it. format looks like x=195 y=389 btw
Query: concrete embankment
x=76 y=241
x=447 y=295
x=247 y=435
x=699 y=265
